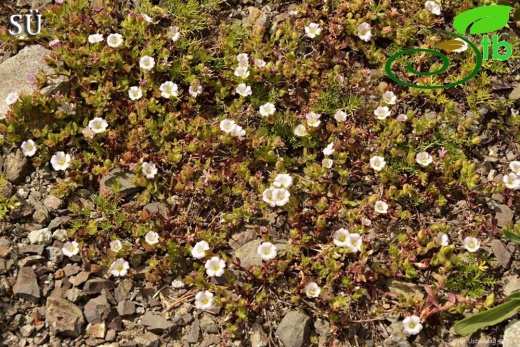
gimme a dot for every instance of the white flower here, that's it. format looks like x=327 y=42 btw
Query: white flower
x=463 y=48
x=60 y=161
x=340 y=237
x=169 y=89
x=67 y=108
x=283 y=180
x=402 y=118
x=313 y=119
x=281 y=196
x=151 y=238
x=147 y=18
x=28 y=148
x=116 y=246
x=389 y=97
x=381 y=207
x=114 y=40
x=227 y=125
x=199 y=250
x=512 y=181
x=423 y=158
x=238 y=131
x=433 y=7
x=441 y=239
x=119 y=267
x=242 y=72
x=11 y=98
x=70 y=248
x=377 y=163
x=267 y=196
x=149 y=169
x=267 y=109
x=412 y=325
x=312 y=290
x=312 y=30
x=354 y=242
x=87 y=132
x=515 y=167
x=204 y=301
x=260 y=63
x=266 y=251
x=243 y=60
x=471 y=244
x=244 y=89
x=327 y=163
x=147 y=63
x=340 y=116
x=135 y=93
x=173 y=33
x=381 y=112
x=329 y=149
x=364 y=32
x=98 y=125
x=293 y=13
x=95 y=38
x=195 y=90
x=300 y=130
x=215 y=266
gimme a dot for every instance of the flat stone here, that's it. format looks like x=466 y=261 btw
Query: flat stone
x=53 y=203
x=26 y=285
x=501 y=253
x=515 y=94
x=147 y=340
x=503 y=214
x=125 y=308
x=96 y=285
x=42 y=236
x=63 y=317
x=97 y=330
x=16 y=165
x=125 y=178
x=4 y=252
x=405 y=289
x=511 y=284
x=512 y=334
x=155 y=323
x=36 y=249
x=247 y=254
x=258 y=337
x=55 y=254
x=194 y=334
x=123 y=290
x=71 y=269
x=97 y=310
x=208 y=325
x=80 y=278
x=30 y=61
x=74 y=294
x=32 y=260
x=156 y=207
x=294 y=329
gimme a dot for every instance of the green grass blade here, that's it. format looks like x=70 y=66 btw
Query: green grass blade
x=513 y=237
x=490 y=317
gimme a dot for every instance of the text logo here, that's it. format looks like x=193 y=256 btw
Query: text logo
x=23 y=24
x=482 y=20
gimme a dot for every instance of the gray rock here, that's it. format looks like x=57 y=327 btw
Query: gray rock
x=256 y=19
x=504 y=215
x=294 y=329
x=208 y=325
x=512 y=284
x=123 y=290
x=42 y=236
x=405 y=289
x=512 y=334
x=30 y=61
x=156 y=323
x=16 y=165
x=26 y=285
x=27 y=330
x=147 y=340
x=515 y=94
x=96 y=285
x=41 y=214
x=258 y=337
x=74 y=294
x=322 y=327
x=60 y=234
x=53 y=203
x=396 y=341
x=501 y=253
x=97 y=310
x=125 y=308
x=31 y=260
x=194 y=334
x=63 y=317
x=36 y=249
x=156 y=207
x=55 y=254
x=247 y=254
x=123 y=177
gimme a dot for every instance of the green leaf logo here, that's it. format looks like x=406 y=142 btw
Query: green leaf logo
x=485 y=19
